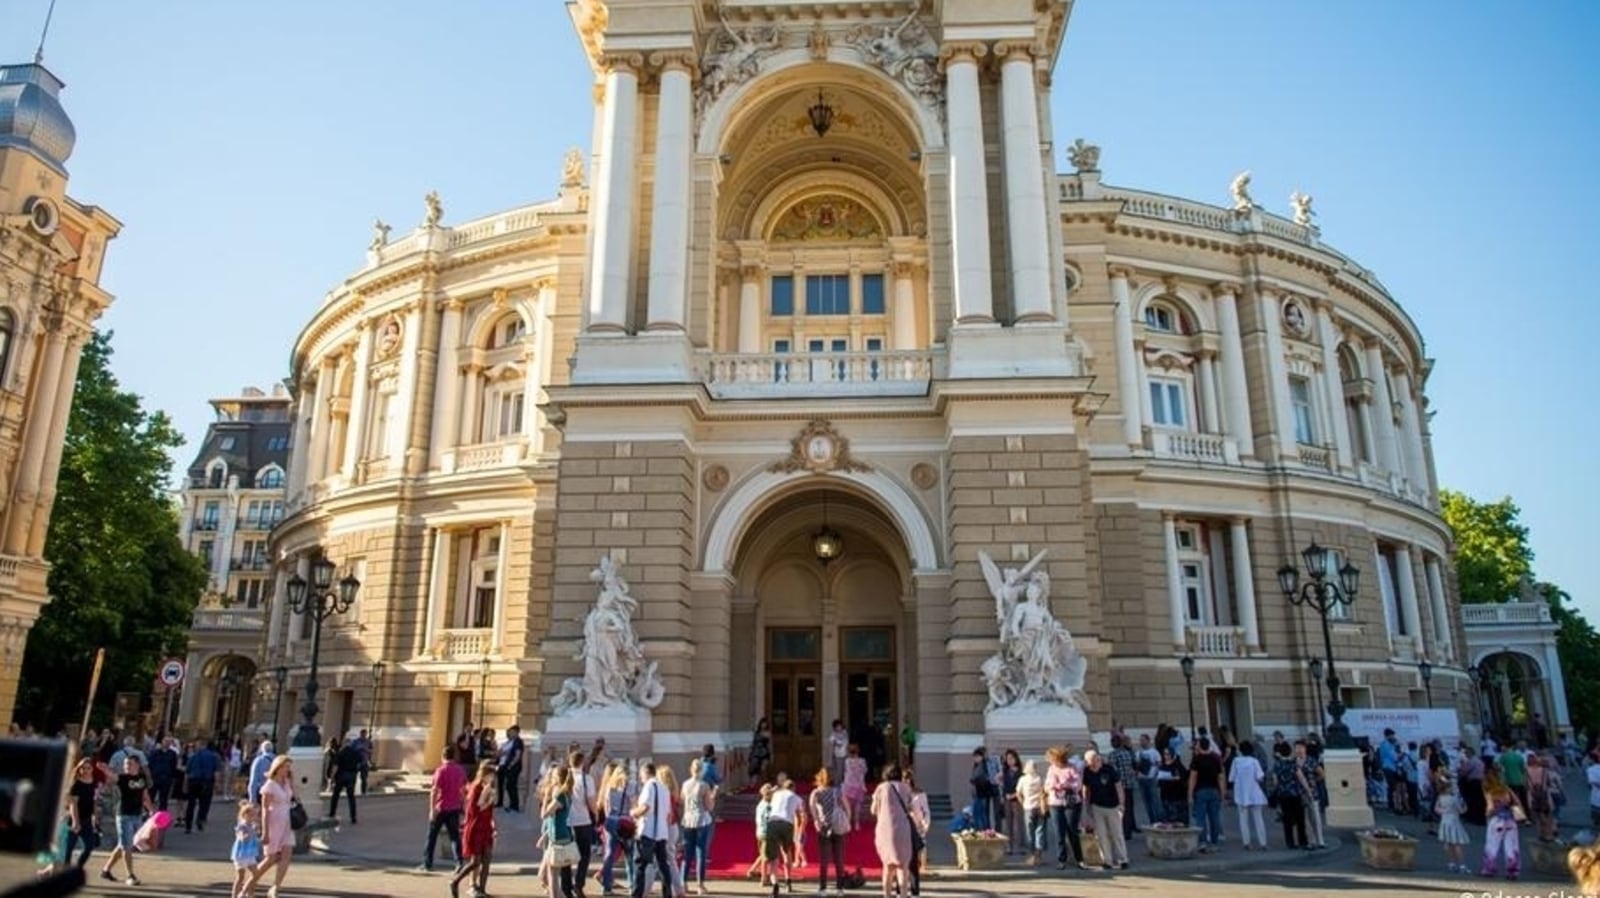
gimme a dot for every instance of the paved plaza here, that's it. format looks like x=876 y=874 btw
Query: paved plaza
x=379 y=857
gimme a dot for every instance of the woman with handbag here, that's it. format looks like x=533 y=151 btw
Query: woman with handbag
x=560 y=846
x=477 y=835
x=1505 y=815
x=891 y=807
x=620 y=828
x=281 y=815
x=833 y=823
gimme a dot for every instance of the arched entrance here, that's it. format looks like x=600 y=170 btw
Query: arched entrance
x=827 y=640
x=225 y=703
x=1516 y=696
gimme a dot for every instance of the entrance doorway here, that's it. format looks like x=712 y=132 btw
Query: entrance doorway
x=868 y=694
x=1229 y=707
x=793 y=684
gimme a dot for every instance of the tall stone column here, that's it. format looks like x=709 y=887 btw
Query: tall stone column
x=305 y=407
x=1411 y=421
x=1235 y=389
x=1333 y=384
x=1443 y=633
x=750 y=308
x=40 y=525
x=904 y=310
x=446 y=385
x=25 y=489
x=969 y=185
x=1382 y=409
x=1209 y=416
x=669 y=215
x=1175 y=599
x=613 y=197
x=276 y=602
x=1278 y=378
x=355 y=442
x=1244 y=582
x=1128 y=361
x=319 y=442
x=407 y=400
x=1410 y=611
x=1026 y=215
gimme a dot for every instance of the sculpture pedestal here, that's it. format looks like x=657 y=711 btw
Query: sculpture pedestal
x=1347 y=789
x=627 y=731
x=1030 y=729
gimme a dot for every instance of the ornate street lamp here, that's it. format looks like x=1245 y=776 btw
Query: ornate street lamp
x=1315 y=666
x=1425 y=670
x=227 y=693
x=377 y=678
x=483 y=686
x=320 y=599
x=280 y=674
x=1186 y=664
x=1324 y=595
x=1479 y=677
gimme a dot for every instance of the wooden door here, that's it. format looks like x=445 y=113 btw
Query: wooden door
x=792 y=711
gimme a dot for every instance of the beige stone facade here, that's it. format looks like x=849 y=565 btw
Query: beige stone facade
x=1170 y=398
x=52 y=248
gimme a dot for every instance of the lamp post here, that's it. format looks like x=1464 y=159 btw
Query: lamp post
x=1315 y=666
x=483 y=686
x=321 y=599
x=1425 y=670
x=1186 y=664
x=377 y=678
x=1478 y=675
x=227 y=693
x=1324 y=595
x=281 y=675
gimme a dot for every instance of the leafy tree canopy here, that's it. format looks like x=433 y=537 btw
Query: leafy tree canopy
x=120 y=577
x=1492 y=551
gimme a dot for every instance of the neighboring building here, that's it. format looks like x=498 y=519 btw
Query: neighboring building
x=51 y=251
x=1511 y=646
x=233 y=496
x=826 y=279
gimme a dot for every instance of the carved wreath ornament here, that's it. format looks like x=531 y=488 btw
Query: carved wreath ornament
x=818 y=449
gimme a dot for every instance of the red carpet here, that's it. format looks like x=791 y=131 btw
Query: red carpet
x=733 y=848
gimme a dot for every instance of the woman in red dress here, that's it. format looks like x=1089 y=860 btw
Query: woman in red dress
x=477 y=836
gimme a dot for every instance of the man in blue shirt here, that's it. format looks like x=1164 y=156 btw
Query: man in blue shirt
x=258 y=771
x=1389 y=763
x=199 y=786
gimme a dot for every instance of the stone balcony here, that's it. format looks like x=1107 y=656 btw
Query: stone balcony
x=229 y=619
x=1508 y=614
x=1216 y=642
x=811 y=375
x=462 y=644
x=1187 y=445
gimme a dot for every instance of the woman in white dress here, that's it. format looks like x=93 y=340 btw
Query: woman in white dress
x=1244 y=779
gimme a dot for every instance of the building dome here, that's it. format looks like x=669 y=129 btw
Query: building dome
x=31 y=118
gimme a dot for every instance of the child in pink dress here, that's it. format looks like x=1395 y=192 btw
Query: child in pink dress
x=855 y=783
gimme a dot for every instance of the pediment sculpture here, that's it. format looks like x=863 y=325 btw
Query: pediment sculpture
x=1037 y=663
x=616 y=675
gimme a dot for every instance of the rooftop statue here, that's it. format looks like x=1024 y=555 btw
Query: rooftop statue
x=1084 y=156
x=1037 y=663
x=1301 y=204
x=615 y=672
x=380 y=235
x=434 y=209
x=572 y=169
x=1240 y=189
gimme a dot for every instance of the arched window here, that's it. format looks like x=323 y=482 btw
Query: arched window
x=8 y=329
x=1165 y=318
x=509 y=332
x=271 y=479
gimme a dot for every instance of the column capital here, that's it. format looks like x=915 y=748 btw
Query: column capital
x=622 y=63
x=1220 y=289
x=902 y=268
x=962 y=52
x=452 y=303
x=1017 y=51
x=1169 y=515
x=675 y=61
x=751 y=271
x=1120 y=272
x=1238 y=520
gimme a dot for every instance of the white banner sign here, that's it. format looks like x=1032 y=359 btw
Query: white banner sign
x=1417 y=725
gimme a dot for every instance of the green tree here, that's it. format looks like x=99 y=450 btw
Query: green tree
x=1492 y=551
x=120 y=577
x=1579 y=646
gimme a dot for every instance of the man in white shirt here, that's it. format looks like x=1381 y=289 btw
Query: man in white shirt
x=582 y=817
x=653 y=811
x=839 y=741
x=786 y=826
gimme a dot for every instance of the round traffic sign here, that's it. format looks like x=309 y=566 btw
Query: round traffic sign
x=172 y=671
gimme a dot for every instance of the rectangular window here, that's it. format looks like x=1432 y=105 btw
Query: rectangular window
x=241 y=590
x=1194 y=592
x=793 y=645
x=1390 y=594
x=828 y=294
x=1336 y=559
x=510 y=413
x=872 y=302
x=781 y=302
x=208 y=518
x=1169 y=406
x=208 y=551
x=1300 y=398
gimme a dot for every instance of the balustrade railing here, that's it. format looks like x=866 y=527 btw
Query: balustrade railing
x=1201 y=447
x=1315 y=457
x=228 y=619
x=811 y=374
x=1216 y=642
x=1509 y=613
x=463 y=644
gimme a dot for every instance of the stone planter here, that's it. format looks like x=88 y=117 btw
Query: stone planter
x=1176 y=844
x=980 y=852
x=1387 y=854
x=1547 y=858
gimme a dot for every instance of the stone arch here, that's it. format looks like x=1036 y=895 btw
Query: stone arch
x=745 y=503
x=794 y=67
x=786 y=194
x=491 y=315
x=1187 y=306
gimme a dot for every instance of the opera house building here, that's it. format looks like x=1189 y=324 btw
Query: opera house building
x=815 y=327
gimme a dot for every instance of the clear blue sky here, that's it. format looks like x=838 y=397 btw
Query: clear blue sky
x=1450 y=147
